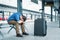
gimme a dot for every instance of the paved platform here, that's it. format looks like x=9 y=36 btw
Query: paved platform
x=53 y=33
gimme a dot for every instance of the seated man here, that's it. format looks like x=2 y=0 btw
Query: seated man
x=14 y=19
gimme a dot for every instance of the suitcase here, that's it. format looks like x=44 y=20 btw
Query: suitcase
x=39 y=28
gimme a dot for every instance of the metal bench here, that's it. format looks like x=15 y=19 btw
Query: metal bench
x=5 y=22
x=12 y=27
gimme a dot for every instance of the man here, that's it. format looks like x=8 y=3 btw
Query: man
x=14 y=19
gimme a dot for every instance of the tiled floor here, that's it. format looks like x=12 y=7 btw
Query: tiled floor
x=53 y=33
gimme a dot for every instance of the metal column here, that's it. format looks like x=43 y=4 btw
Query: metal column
x=43 y=2
x=19 y=6
x=43 y=14
x=55 y=16
x=51 y=14
x=31 y=16
x=3 y=15
x=9 y=13
x=59 y=17
x=59 y=13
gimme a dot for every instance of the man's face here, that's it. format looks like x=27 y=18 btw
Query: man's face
x=24 y=18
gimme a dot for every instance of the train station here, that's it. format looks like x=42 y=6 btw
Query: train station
x=29 y=19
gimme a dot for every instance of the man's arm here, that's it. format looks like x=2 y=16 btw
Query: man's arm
x=21 y=17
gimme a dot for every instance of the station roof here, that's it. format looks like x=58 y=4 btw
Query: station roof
x=50 y=2
x=2 y=5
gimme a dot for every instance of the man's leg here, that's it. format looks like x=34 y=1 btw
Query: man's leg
x=22 y=27
x=17 y=27
x=23 y=30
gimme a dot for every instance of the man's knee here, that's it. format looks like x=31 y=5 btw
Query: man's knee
x=21 y=23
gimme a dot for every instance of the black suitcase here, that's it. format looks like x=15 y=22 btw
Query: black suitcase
x=39 y=28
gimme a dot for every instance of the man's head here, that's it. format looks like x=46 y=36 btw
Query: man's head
x=24 y=18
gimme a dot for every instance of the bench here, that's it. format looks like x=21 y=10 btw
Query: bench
x=4 y=23
x=1 y=23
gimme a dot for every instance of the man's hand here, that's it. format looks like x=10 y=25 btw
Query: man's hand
x=20 y=21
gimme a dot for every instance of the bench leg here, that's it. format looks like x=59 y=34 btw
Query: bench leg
x=11 y=28
x=1 y=34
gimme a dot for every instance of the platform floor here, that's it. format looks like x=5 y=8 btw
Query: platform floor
x=53 y=33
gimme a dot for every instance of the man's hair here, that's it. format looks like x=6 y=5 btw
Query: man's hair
x=24 y=18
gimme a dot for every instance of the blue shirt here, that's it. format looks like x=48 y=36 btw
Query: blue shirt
x=15 y=16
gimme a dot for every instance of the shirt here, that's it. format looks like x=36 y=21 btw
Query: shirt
x=15 y=16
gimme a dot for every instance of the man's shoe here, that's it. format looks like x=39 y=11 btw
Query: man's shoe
x=24 y=33
x=18 y=35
